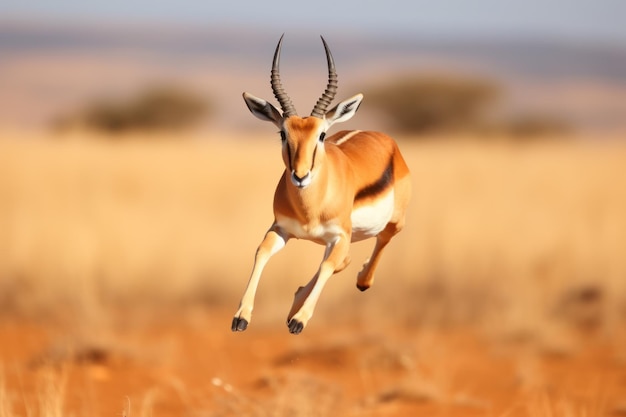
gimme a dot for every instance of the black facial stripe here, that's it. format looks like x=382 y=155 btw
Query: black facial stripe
x=313 y=161
x=379 y=186
x=289 y=156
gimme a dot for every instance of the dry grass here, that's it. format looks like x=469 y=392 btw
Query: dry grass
x=6 y=400
x=48 y=401
x=518 y=238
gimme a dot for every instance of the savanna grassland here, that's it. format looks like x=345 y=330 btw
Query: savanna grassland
x=122 y=262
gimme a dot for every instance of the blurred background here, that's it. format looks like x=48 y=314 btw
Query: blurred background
x=129 y=162
x=520 y=66
x=133 y=178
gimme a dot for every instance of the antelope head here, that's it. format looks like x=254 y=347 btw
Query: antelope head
x=303 y=137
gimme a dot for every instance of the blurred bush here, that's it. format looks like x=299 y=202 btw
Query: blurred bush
x=444 y=103
x=156 y=108
x=533 y=125
x=433 y=103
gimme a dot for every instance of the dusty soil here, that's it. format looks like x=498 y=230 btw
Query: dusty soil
x=194 y=365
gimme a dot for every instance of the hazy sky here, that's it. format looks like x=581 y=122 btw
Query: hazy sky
x=594 y=20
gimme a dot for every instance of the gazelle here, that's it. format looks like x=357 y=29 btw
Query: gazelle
x=335 y=190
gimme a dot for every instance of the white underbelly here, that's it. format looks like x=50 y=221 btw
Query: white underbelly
x=369 y=220
x=319 y=232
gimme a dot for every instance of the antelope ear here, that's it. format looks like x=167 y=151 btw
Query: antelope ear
x=263 y=110
x=344 y=110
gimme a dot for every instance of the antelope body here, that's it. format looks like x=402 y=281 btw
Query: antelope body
x=335 y=190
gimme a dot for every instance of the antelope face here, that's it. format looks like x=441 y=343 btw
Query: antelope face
x=303 y=137
x=303 y=148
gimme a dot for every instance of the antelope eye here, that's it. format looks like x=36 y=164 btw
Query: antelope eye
x=283 y=136
x=322 y=136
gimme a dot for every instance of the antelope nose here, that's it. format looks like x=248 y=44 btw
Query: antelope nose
x=300 y=182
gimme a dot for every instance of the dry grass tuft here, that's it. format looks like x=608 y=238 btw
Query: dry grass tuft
x=47 y=401
x=52 y=393
x=292 y=393
x=6 y=399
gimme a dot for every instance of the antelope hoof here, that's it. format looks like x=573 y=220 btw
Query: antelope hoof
x=295 y=326
x=239 y=324
x=362 y=287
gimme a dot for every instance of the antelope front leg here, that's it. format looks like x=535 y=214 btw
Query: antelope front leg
x=273 y=242
x=306 y=297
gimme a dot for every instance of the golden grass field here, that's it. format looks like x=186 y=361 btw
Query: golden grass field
x=122 y=262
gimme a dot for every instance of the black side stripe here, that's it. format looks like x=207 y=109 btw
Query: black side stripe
x=379 y=186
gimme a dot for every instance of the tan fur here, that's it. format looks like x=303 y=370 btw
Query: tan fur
x=350 y=186
x=352 y=165
x=322 y=211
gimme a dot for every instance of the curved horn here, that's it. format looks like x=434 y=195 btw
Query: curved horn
x=285 y=102
x=331 y=89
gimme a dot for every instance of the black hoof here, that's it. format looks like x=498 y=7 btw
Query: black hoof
x=362 y=287
x=295 y=327
x=239 y=324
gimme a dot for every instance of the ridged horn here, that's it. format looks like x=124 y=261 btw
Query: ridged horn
x=331 y=89
x=285 y=102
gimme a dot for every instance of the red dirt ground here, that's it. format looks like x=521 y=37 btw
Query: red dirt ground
x=197 y=367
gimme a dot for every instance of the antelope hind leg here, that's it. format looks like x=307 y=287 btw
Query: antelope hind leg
x=365 y=278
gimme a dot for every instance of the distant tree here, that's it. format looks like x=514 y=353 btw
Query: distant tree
x=157 y=108
x=434 y=103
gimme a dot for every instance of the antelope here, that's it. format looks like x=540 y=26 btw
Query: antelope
x=335 y=190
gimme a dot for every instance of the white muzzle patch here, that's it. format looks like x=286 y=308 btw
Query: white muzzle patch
x=301 y=182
